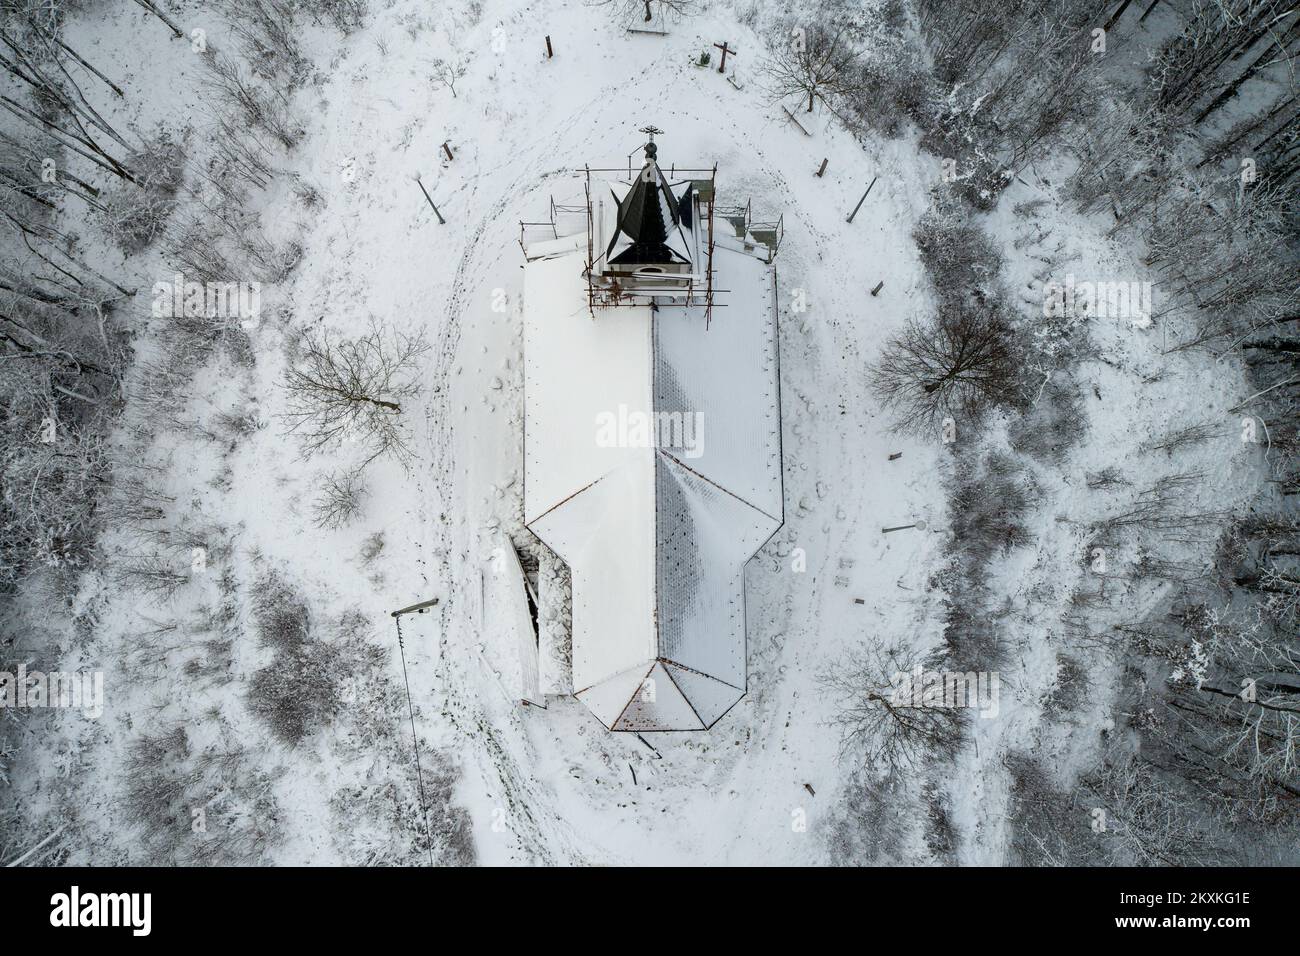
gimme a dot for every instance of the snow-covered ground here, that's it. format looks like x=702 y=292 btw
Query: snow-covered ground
x=769 y=783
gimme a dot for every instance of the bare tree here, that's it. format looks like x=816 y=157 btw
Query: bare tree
x=446 y=74
x=23 y=160
x=154 y=9
x=266 y=107
x=135 y=214
x=48 y=523
x=155 y=576
x=813 y=62
x=342 y=496
x=343 y=389
x=959 y=367
x=1147 y=821
x=646 y=8
x=1165 y=509
x=1188 y=437
x=882 y=713
x=1217 y=33
x=53 y=88
x=269 y=38
x=346 y=15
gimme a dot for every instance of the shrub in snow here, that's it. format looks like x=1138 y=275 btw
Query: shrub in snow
x=989 y=502
x=1069 y=691
x=1188 y=437
x=237 y=424
x=960 y=259
x=977 y=174
x=199 y=805
x=268 y=38
x=281 y=615
x=58 y=392
x=989 y=506
x=1052 y=425
x=452 y=828
x=886 y=94
x=308 y=193
x=297 y=693
x=262 y=106
x=874 y=822
x=45 y=520
x=367 y=818
x=156 y=576
x=1166 y=509
x=157 y=779
x=1047 y=828
x=940 y=833
x=346 y=15
x=447 y=75
x=372 y=548
x=892 y=83
x=1108 y=477
x=136 y=214
x=341 y=499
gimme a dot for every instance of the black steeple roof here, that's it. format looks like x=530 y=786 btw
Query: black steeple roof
x=647 y=215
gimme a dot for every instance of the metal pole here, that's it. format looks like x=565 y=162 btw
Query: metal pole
x=903 y=527
x=416 y=607
x=863 y=199
x=415 y=737
x=430 y=198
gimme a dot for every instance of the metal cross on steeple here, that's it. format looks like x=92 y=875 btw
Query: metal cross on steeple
x=650 y=148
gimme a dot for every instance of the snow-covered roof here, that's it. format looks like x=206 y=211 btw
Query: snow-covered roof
x=656 y=534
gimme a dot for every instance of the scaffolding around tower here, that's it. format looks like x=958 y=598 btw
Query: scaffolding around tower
x=651 y=234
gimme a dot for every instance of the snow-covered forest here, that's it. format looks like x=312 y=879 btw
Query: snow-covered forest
x=261 y=385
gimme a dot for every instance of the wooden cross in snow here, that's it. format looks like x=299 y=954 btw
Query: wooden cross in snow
x=722 y=68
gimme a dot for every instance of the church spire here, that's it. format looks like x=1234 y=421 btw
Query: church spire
x=649 y=217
